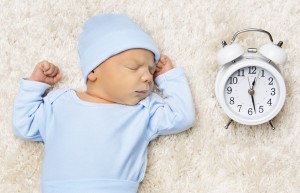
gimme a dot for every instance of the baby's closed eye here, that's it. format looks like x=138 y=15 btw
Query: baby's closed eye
x=132 y=66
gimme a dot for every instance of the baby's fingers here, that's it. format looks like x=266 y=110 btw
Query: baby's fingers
x=162 y=61
x=44 y=65
x=163 y=58
x=49 y=69
x=54 y=72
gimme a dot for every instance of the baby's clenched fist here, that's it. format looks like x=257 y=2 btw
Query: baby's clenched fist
x=164 y=65
x=46 y=72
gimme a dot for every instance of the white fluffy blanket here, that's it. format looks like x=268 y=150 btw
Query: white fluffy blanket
x=204 y=159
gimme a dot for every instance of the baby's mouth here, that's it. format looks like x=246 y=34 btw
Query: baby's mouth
x=142 y=91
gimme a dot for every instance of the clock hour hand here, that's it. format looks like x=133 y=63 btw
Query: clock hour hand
x=253 y=83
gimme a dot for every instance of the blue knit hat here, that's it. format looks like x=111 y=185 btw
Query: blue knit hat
x=106 y=35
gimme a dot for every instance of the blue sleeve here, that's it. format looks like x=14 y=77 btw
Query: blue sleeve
x=28 y=109
x=174 y=112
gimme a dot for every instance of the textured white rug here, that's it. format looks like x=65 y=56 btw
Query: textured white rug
x=207 y=158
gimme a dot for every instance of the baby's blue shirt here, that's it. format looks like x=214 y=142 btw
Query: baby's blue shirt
x=99 y=148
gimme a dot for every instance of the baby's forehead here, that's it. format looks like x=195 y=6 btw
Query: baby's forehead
x=138 y=55
x=146 y=58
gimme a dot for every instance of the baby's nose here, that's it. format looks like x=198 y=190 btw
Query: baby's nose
x=147 y=76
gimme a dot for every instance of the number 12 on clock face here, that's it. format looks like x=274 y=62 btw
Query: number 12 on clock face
x=251 y=92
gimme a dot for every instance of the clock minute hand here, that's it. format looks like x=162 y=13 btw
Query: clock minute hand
x=253 y=103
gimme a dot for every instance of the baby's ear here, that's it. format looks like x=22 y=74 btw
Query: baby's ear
x=92 y=77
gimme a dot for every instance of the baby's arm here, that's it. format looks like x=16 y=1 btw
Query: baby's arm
x=175 y=112
x=29 y=108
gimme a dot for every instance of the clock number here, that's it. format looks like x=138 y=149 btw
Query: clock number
x=233 y=80
x=239 y=107
x=261 y=109
x=269 y=102
x=271 y=81
x=241 y=72
x=250 y=111
x=229 y=90
x=262 y=73
x=252 y=70
x=231 y=100
x=273 y=91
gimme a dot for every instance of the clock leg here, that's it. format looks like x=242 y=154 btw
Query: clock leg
x=271 y=124
x=227 y=125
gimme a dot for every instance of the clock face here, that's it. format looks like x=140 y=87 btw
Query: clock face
x=251 y=92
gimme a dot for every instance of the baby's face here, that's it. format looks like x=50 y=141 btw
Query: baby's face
x=126 y=78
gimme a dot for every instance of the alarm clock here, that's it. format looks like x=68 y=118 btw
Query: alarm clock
x=249 y=86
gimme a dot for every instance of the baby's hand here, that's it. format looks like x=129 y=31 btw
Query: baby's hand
x=46 y=72
x=164 y=65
